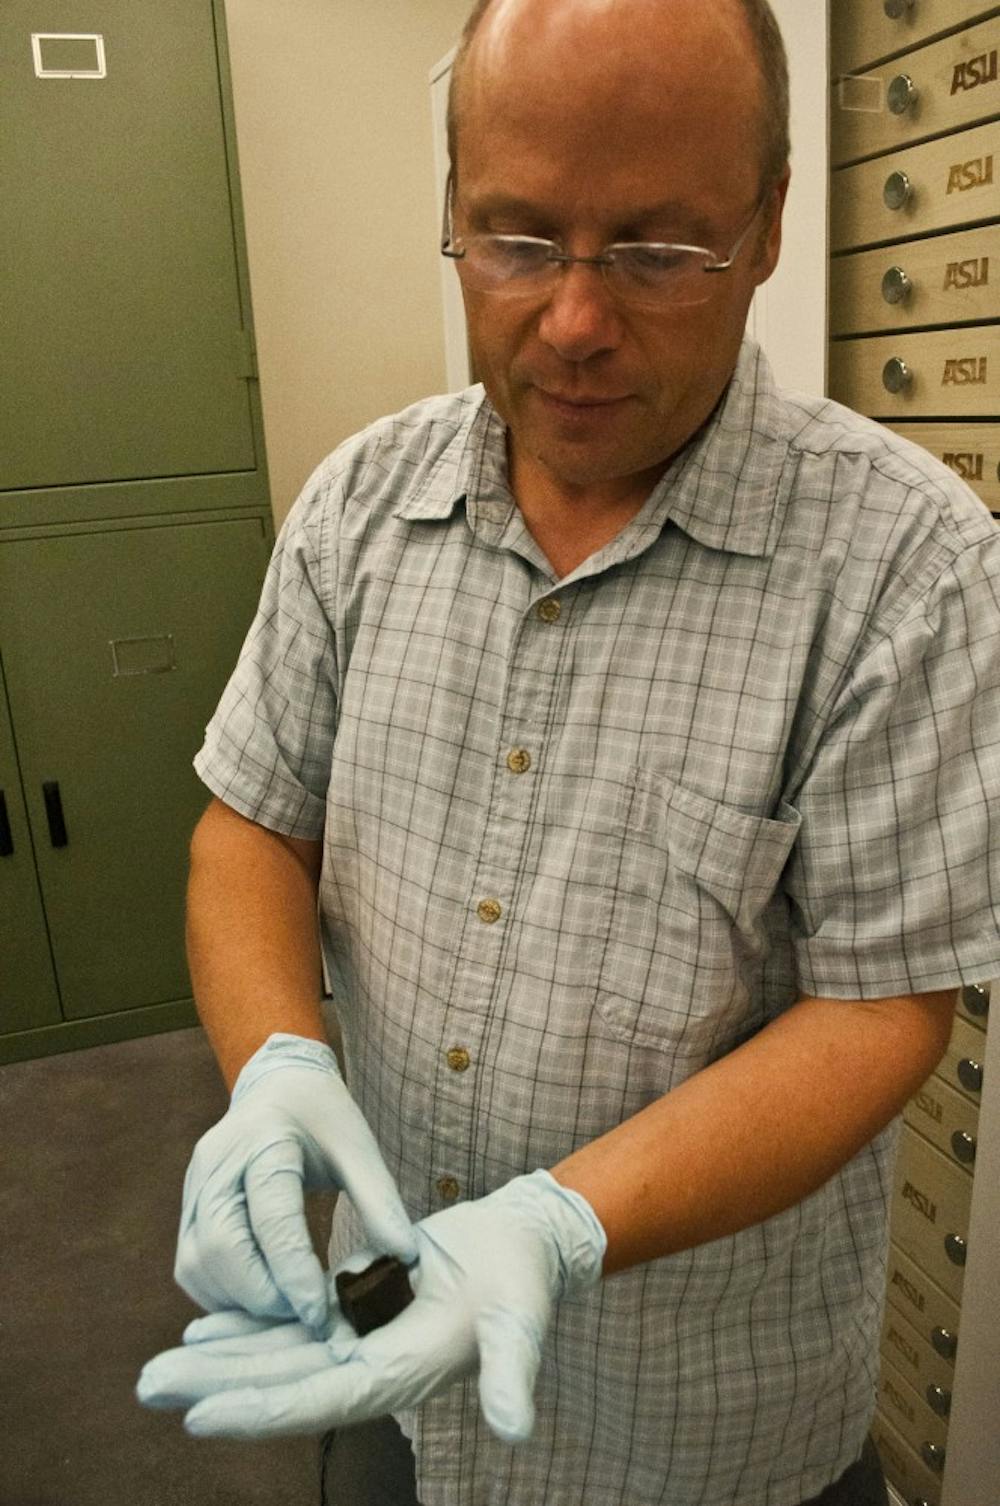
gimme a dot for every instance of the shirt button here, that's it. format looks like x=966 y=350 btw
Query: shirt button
x=458 y=1059
x=448 y=1188
x=519 y=760
x=549 y=609
x=488 y=911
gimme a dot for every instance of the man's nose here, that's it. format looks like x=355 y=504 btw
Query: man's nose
x=580 y=318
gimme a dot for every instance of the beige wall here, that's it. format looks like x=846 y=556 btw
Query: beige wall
x=333 y=126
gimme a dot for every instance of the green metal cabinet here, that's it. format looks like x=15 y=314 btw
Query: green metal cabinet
x=126 y=348
x=27 y=983
x=116 y=648
x=134 y=514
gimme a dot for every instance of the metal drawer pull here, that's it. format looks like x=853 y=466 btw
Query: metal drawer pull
x=939 y=1400
x=898 y=191
x=963 y=1147
x=897 y=9
x=902 y=94
x=896 y=375
x=944 y=1342
x=54 y=812
x=956 y=1249
x=933 y=1456
x=896 y=286
x=976 y=998
x=6 y=835
x=970 y=1074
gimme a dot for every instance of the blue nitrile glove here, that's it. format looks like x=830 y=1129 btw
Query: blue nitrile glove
x=487 y=1280
x=291 y=1125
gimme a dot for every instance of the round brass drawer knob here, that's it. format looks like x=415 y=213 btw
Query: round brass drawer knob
x=897 y=9
x=896 y=286
x=902 y=94
x=976 y=999
x=939 y=1400
x=898 y=191
x=956 y=1249
x=970 y=1075
x=896 y=375
x=933 y=1456
x=945 y=1343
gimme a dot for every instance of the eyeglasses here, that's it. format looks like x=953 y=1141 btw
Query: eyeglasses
x=640 y=274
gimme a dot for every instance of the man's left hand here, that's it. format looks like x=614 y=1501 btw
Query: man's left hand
x=487 y=1279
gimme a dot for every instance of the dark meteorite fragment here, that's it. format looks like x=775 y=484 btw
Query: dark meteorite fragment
x=371 y=1297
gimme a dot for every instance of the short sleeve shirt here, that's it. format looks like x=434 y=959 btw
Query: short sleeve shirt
x=584 y=836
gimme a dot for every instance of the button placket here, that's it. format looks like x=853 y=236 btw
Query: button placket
x=530 y=682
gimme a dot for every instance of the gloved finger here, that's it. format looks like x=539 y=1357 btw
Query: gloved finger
x=219 y=1264
x=380 y=1208
x=510 y=1353
x=336 y=1397
x=276 y=1208
x=179 y=1377
x=341 y=1338
x=353 y=1150
x=230 y=1324
x=256 y=1340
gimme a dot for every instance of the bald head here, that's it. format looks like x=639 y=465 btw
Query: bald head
x=635 y=39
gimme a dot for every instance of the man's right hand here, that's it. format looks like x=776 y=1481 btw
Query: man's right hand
x=291 y=1127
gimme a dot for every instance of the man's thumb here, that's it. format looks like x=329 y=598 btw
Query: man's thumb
x=510 y=1352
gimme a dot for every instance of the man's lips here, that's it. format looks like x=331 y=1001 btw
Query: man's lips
x=581 y=401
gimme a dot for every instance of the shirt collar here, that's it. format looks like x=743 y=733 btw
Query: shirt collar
x=723 y=489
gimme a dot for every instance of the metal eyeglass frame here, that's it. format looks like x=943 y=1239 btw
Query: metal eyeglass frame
x=453 y=248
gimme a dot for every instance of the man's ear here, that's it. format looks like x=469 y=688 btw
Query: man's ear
x=769 y=246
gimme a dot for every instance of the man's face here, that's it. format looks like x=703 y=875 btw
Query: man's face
x=589 y=123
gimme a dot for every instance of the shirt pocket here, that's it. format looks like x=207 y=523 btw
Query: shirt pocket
x=687 y=913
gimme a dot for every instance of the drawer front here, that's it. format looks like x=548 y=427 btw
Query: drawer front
x=946 y=279
x=909 y=1413
x=946 y=373
x=944 y=86
x=930 y=1211
x=971 y=450
x=941 y=185
x=929 y=1310
x=962 y=1064
x=861 y=32
x=950 y=1120
x=903 y=1465
x=930 y=1376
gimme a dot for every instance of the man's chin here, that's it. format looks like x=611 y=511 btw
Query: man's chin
x=580 y=464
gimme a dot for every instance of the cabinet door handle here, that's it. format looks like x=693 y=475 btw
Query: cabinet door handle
x=6 y=835
x=54 y=812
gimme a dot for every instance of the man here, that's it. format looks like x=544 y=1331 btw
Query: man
x=636 y=726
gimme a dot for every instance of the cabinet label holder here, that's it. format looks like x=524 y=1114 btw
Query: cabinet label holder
x=64 y=54
x=143 y=656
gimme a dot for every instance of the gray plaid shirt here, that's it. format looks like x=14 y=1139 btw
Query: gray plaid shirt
x=584 y=836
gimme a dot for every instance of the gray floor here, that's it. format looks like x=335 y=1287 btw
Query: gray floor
x=93 y=1148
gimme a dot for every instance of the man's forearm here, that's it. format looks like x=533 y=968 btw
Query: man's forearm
x=760 y=1129
x=252 y=937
